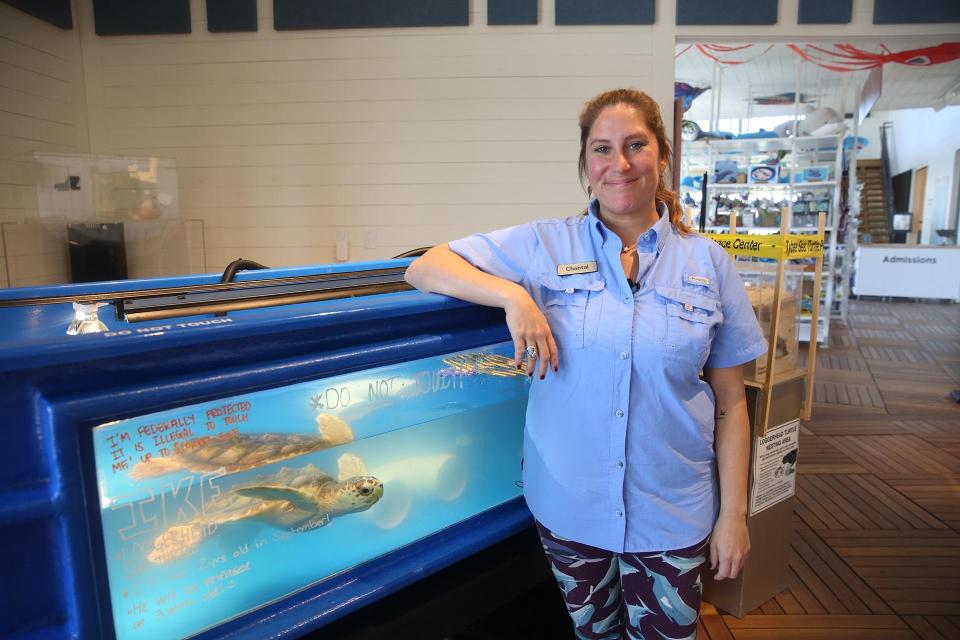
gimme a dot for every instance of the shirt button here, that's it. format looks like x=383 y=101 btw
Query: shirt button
x=619 y=464
x=624 y=355
x=659 y=338
x=619 y=413
x=626 y=299
x=619 y=513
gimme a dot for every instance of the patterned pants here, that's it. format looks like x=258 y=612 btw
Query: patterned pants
x=648 y=596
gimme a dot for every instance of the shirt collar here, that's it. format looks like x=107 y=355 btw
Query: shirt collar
x=661 y=230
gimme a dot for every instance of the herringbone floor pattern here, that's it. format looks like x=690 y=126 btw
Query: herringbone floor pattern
x=876 y=546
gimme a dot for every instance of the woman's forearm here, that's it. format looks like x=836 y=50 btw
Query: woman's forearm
x=440 y=270
x=732 y=439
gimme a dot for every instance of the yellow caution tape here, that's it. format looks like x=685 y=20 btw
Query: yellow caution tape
x=776 y=247
x=803 y=246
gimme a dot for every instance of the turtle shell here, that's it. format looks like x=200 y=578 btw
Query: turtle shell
x=230 y=506
x=240 y=452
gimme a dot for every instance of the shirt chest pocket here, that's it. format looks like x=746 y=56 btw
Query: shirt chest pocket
x=690 y=320
x=572 y=307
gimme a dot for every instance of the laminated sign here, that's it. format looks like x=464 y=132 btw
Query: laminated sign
x=775 y=466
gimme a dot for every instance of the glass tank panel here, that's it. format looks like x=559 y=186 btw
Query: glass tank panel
x=760 y=280
x=212 y=509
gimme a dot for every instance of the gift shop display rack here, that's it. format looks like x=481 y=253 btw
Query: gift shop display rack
x=756 y=186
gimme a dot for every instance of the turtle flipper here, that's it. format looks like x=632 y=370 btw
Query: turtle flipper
x=350 y=466
x=334 y=430
x=296 y=497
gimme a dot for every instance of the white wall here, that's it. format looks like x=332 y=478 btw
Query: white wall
x=42 y=108
x=396 y=137
x=918 y=138
x=924 y=137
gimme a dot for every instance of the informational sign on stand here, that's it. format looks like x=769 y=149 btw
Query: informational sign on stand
x=775 y=466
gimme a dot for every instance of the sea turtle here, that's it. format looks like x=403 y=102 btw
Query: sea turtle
x=297 y=499
x=235 y=451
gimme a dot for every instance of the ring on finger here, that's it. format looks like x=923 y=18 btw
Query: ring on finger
x=530 y=352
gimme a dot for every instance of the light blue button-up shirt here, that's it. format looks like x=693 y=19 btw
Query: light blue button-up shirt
x=618 y=445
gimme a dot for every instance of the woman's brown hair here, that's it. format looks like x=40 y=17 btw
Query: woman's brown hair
x=650 y=111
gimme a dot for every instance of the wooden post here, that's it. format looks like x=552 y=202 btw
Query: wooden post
x=767 y=392
x=814 y=327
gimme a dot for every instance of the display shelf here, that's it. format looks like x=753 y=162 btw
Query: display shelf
x=803 y=328
x=759 y=230
x=773 y=186
x=821 y=144
x=795 y=198
x=778 y=378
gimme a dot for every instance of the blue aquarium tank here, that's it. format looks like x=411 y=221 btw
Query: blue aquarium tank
x=212 y=509
x=186 y=458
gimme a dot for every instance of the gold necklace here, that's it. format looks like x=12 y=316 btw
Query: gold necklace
x=629 y=249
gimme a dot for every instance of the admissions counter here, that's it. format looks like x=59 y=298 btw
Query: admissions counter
x=248 y=460
x=896 y=270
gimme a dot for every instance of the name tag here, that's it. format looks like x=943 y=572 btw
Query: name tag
x=699 y=280
x=576 y=267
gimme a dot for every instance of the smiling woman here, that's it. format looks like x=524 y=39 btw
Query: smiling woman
x=623 y=165
x=621 y=443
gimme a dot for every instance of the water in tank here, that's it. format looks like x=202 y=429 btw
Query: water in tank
x=212 y=509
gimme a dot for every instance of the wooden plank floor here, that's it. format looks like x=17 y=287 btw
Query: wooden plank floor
x=876 y=542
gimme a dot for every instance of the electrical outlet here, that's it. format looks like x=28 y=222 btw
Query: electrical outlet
x=342 y=252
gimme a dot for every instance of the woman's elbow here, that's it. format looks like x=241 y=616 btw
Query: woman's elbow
x=417 y=272
x=412 y=274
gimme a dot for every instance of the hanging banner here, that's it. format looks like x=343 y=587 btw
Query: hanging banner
x=838 y=57
x=776 y=247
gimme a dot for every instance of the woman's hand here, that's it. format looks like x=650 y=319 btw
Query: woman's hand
x=528 y=328
x=440 y=270
x=729 y=546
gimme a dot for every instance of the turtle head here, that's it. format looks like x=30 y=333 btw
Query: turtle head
x=358 y=493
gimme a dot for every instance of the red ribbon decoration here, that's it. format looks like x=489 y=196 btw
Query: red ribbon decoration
x=842 y=57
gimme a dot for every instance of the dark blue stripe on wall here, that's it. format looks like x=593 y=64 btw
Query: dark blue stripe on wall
x=915 y=11
x=56 y=12
x=825 y=12
x=126 y=18
x=571 y=12
x=708 y=12
x=344 y=14
x=231 y=15
x=511 y=11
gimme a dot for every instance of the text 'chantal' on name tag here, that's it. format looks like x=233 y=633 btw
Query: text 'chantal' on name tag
x=576 y=267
